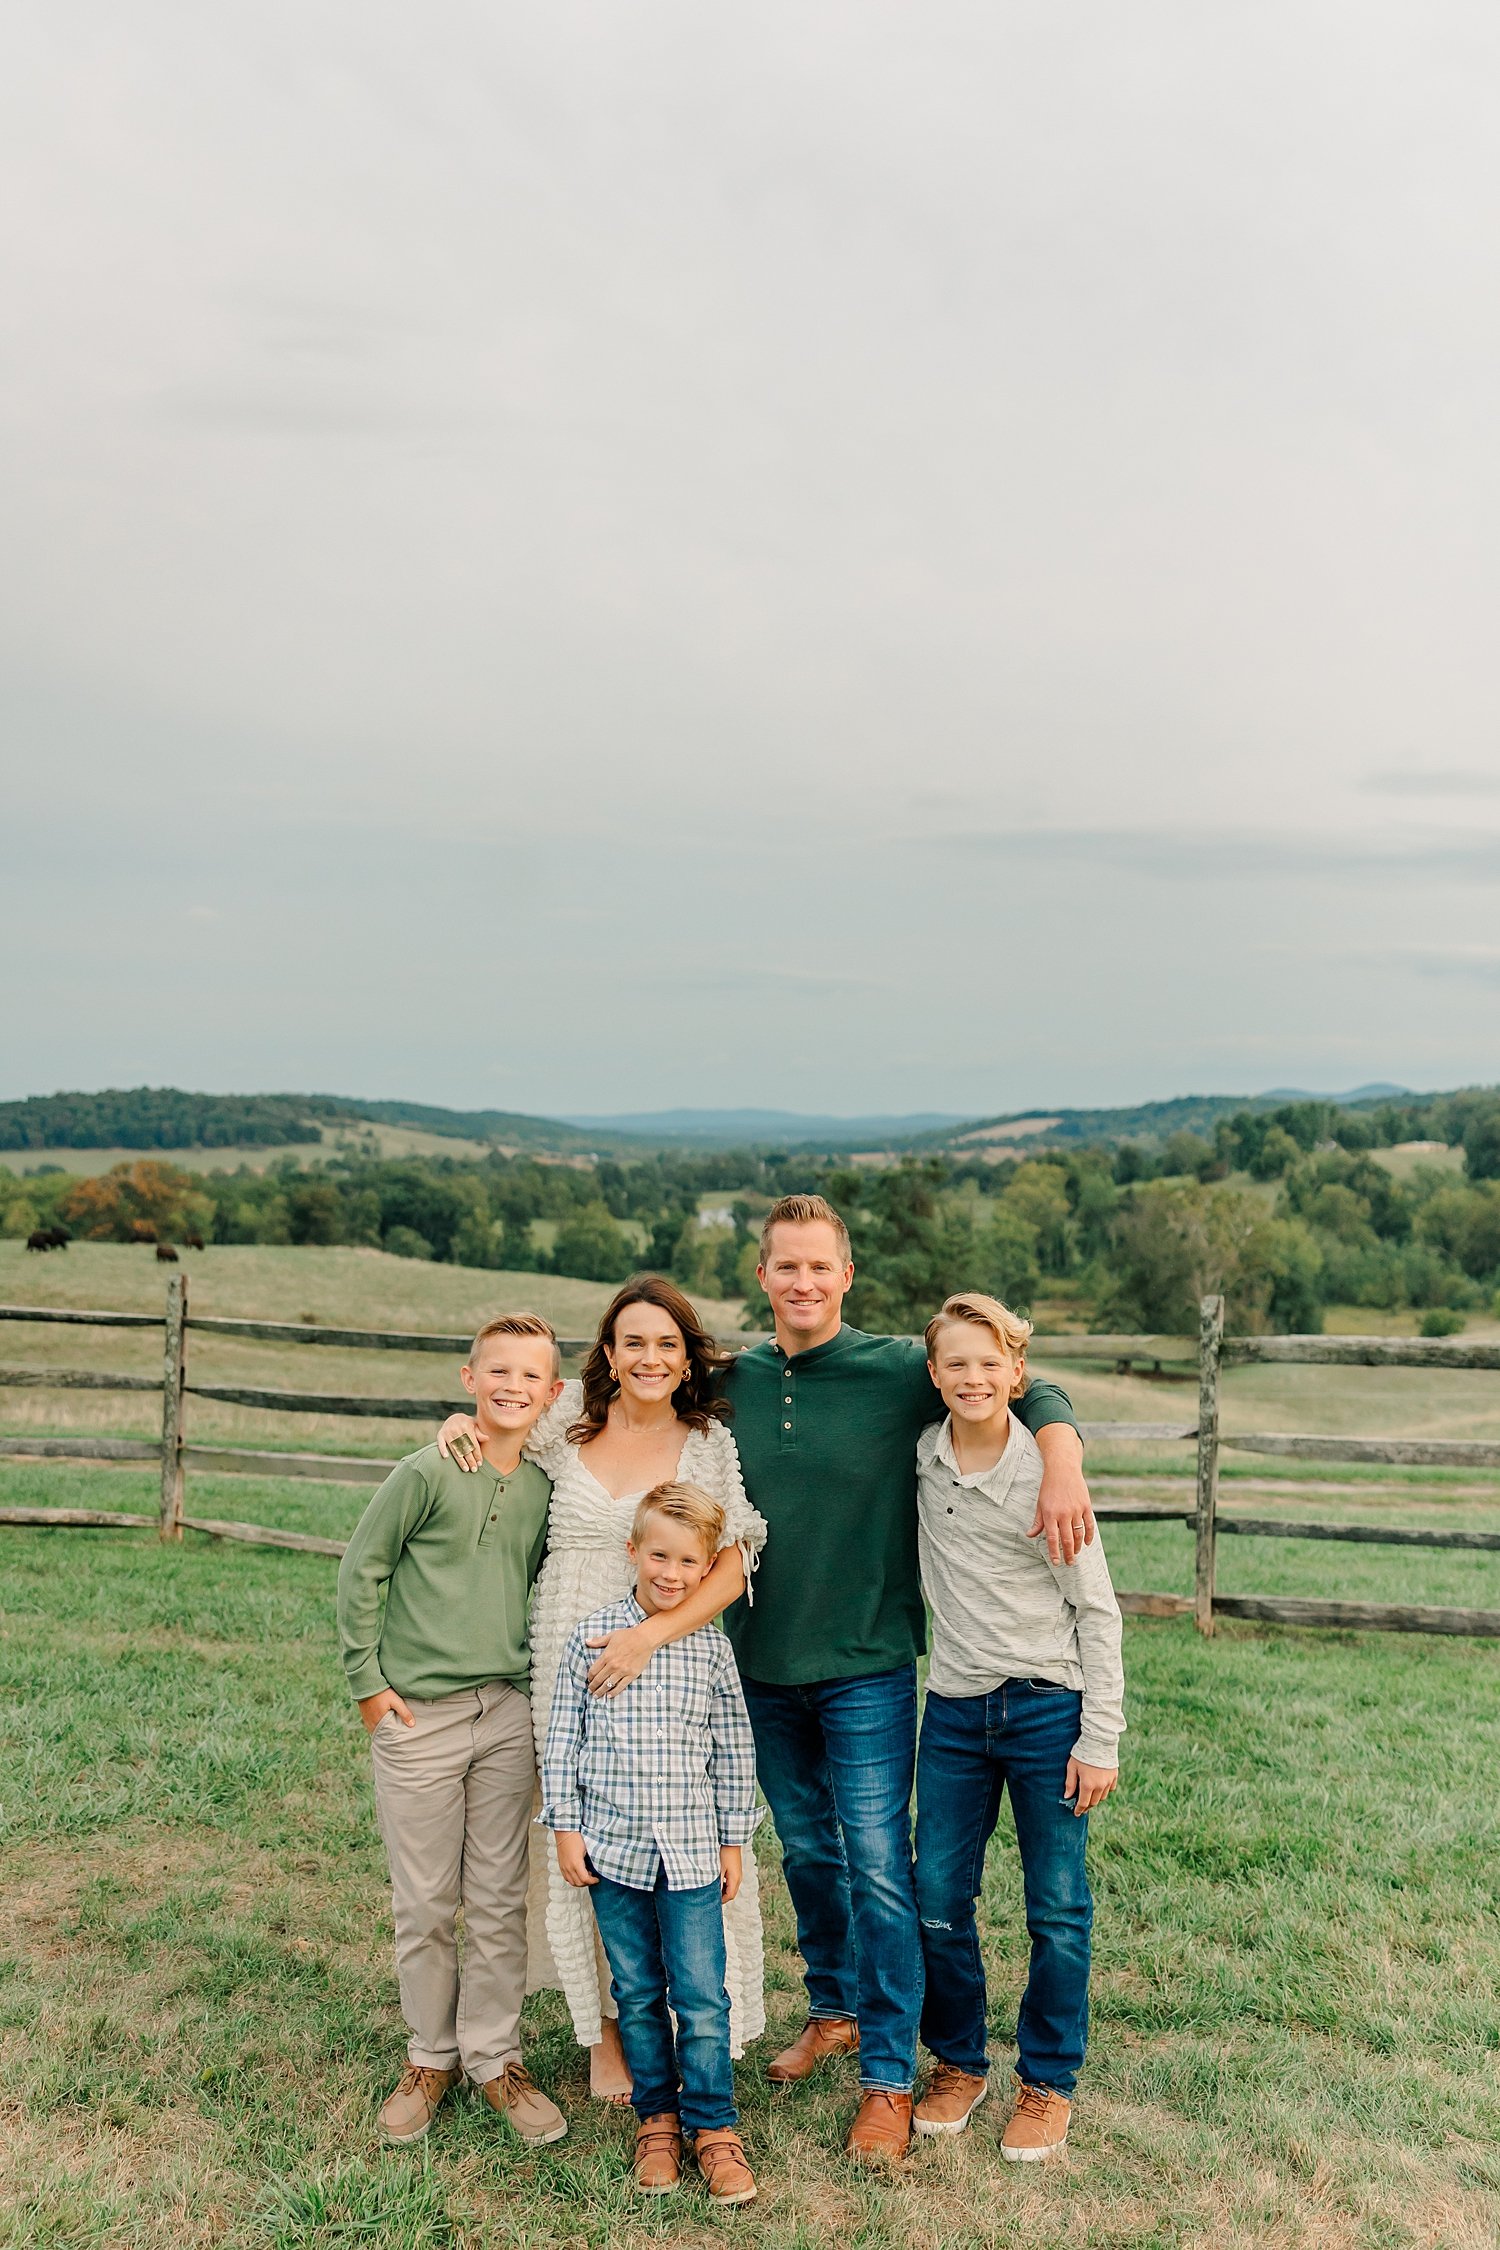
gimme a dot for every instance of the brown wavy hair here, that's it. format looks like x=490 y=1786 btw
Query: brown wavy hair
x=695 y=1399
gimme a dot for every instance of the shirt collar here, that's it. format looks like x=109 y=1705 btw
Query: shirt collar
x=817 y=1354
x=637 y=1614
x=995 y=1479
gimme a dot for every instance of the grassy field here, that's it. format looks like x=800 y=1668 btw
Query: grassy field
x=1296 y=2023
x=365 y=1140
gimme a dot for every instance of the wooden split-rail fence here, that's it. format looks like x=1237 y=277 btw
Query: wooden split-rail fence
x=1213 y=1351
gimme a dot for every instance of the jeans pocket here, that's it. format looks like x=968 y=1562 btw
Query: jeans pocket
x=1048 y=1687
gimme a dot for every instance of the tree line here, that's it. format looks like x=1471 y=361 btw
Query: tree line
x=1285 y=1211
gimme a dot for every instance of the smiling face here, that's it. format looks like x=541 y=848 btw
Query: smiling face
x=975 y=1373
x=807 y=1277
x=512 y=1383
x=670 y=1559
x=648 y=1354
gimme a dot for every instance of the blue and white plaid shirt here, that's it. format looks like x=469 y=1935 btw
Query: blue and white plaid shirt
x=659 y=1775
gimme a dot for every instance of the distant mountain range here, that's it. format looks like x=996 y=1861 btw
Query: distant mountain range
x=164 y=1117
x=760 y=1126
x=1147 y=1122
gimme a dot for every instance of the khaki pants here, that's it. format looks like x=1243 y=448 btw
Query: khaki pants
x=454 y=1799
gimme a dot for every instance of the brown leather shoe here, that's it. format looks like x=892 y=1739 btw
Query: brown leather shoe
x=516 y=2095
x=721 y=2160
x=658 y=2154
x=881 y=2132
x=819 y=2040
x=951 y=2099
x=1038 y=2125
x=406 y=2114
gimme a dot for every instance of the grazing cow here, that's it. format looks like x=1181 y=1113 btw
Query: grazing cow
x=60 y=1237
x=165 y=1254
x=41 y=1240
x=193 y=1241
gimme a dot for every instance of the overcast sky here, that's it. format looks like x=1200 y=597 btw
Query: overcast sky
x=837 y=556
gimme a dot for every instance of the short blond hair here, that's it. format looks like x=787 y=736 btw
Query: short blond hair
x=519 y=1324
x=803 y=1211
x=687 y=1504
x=1009 y=1330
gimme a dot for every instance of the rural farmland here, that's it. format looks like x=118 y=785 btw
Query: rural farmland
x=1295 y=2003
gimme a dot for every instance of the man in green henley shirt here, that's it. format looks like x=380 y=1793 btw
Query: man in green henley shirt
x=441 y=1674
x=826 y=1420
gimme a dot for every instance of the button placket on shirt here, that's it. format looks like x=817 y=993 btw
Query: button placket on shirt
x=788 y=1416
x=492 y=1512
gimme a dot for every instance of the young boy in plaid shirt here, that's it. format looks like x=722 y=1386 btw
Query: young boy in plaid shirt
x=651 y=1794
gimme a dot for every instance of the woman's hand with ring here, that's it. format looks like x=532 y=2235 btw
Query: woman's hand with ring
x=627 y=1652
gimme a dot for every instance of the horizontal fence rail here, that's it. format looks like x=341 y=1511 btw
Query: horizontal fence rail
x=72 y=1379
x=1379 y=1617
x=330 y=1402
x=1450 y=1453
x=1358 y=1351
x=1211 y=1351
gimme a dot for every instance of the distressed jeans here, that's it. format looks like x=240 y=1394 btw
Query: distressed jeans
x=666 y=1951
x=1018 y=1737
x=835 y=1761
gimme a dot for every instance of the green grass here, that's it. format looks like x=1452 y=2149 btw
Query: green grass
x=1296 y=2031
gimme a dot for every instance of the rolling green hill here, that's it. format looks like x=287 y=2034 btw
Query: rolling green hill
x=165 y=1117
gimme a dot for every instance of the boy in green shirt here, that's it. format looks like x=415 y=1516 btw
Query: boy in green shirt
x=441 y=1674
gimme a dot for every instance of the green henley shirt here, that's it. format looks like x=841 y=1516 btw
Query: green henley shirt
x=456 y=1556
x=828 y=1443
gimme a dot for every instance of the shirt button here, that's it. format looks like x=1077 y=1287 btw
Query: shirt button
x=494 y=1519
x=787 y=1400
x=786 y=1425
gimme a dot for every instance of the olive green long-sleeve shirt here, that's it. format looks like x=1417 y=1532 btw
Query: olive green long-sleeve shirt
x=456 y=1557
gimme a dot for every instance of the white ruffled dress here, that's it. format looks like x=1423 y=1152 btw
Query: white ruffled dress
x=585 y=1568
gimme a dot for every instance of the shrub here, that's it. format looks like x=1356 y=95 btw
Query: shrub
x=1442 y=1320
x=405 y=1242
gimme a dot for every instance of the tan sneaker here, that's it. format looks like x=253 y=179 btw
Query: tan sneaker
x=1038 y=2126
x=881 y=2132
x=951 y=2099
x=819 y=2040
x=658 y=2154
x=721 y=2160
x=514 y=2094
x=406 y=2114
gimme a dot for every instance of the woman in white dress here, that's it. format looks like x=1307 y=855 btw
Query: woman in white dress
x=645 y=1411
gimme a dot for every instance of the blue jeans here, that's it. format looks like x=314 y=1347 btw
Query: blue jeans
x=666 y=1950
x=835 y=1760
x=973 y=1746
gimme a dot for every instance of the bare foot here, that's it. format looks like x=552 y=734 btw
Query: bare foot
x=609 y=2079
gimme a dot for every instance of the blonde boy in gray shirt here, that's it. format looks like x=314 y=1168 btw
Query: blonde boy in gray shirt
x=1025 y=1691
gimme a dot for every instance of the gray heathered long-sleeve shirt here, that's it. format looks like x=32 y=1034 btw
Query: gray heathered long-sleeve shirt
x=1001 y=1609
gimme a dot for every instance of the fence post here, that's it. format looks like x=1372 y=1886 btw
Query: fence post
x=172 y=1377
x=1210 y=1341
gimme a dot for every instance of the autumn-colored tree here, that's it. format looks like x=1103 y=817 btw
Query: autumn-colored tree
x=140 y=1202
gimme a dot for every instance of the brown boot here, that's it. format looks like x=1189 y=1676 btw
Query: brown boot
x=881 y=2132
x=721 y=2160
x=819 y=2040
x=1038 y=2125
x=406 y=2114
x=658 y=2154
x=951 y=2099
x=515 y=2094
